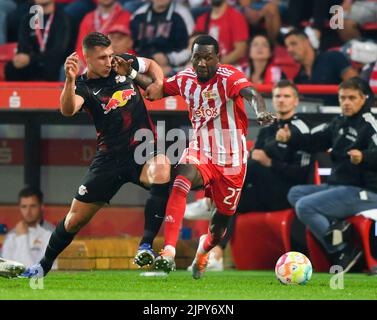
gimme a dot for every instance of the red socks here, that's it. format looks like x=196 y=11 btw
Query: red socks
x=210 y=242
x=176 y=209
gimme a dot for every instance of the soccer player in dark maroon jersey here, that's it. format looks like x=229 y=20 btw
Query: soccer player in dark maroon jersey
x=108 y=92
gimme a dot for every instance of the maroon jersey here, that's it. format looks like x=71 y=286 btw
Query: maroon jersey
x=117 y=109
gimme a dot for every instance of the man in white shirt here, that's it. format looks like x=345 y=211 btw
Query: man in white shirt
x=27 y=242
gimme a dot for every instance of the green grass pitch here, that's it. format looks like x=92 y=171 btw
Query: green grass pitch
x=227 y=285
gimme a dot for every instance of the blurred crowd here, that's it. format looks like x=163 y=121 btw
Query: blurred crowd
x=309 y=42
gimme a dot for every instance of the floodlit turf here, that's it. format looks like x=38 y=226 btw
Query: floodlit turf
x=228 y=285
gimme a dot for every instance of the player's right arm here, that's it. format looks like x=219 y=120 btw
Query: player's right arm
x=318 y=140
x=70 y=103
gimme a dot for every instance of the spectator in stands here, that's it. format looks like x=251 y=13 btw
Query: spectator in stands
x=370 y=74
x=261 y=68
x=357 y=13
x=229 y=28
x=329 y=67
x=352 y=185
x=272 y=169
x=77 y=10
x=6 y=6
x=183 y=59
x=317 y=11
x=161 y=31
x=267 y=12
x=120 y=37
x=27 y=242
x=41 y=49
x=107 y=14
x=132 y=5
x=13 y=19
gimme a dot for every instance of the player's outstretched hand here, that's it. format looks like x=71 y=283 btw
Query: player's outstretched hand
x=265 y=118
x=154 y=91
x=121 y=66
x=71 y=66
x=283 y=134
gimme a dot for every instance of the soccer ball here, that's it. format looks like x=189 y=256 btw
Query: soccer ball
x=293 y=268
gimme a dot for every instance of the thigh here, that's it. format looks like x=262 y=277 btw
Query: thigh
x=226 y=189
x=192 y=172
x=195 y=166
x=156 y=170
x=300 y=191
x=102 y=181
x=15 y=74
x=340 y=202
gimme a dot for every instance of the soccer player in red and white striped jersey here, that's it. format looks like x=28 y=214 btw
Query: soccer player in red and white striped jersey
x=216 y=95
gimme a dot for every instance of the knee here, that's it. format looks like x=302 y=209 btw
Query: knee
x=73 y=223
x=294 y=195
x=303 y=209
x=159 y=171
x=161 y=174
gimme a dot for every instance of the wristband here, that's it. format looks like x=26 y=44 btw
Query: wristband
x=133 y=74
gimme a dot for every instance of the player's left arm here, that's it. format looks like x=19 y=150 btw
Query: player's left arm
x=255 y=99
x=144 y=72
x=153 y=72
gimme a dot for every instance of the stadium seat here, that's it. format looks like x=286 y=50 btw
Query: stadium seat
x=260 y=238
x=7 y=52
x=365 y=229
x=365 y=236
x=317 y=256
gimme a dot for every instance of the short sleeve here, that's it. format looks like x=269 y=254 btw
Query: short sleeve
x=236 y=82
x=81 y=89
x=171 y=86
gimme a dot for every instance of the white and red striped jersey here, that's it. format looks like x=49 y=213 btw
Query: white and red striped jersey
x=217 y=112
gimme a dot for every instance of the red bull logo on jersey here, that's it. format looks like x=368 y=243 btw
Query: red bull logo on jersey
x=119 y=99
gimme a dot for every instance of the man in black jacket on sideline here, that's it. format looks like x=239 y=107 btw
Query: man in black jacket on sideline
x=42 y=44
x=352 y=185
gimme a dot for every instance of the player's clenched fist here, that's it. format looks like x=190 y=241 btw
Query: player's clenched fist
x=121 y=66
x=71 y=66
x=283 y=134
x=266 y=118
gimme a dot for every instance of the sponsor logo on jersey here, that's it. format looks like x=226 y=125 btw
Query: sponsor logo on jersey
x=209 y=95
x=119 y=99
x=82 y=190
